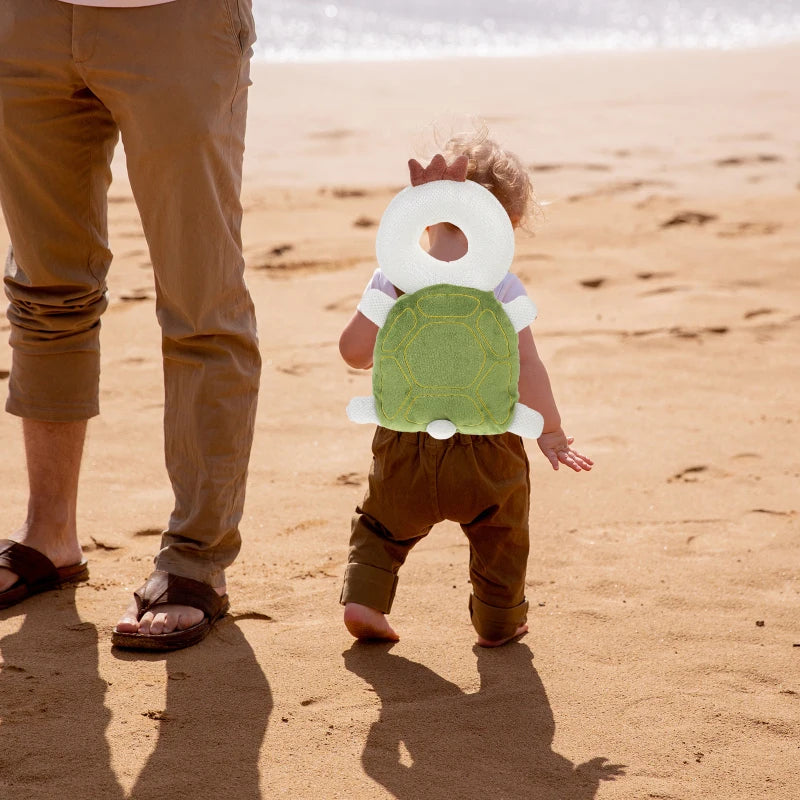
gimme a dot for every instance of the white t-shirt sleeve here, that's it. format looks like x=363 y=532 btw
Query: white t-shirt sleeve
x=509 y=288
x=380 y=282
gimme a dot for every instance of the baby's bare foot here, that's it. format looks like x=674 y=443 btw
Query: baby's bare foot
x=496 y=643
x=368 y=623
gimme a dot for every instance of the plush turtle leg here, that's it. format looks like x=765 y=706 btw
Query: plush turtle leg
x=363 y=410
x=526 y=422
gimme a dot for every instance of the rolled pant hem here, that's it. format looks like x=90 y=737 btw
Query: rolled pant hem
x=495 y=623
x=65 y=413
x=369 y=586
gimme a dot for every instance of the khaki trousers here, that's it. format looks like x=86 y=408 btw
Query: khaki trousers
x=481 y=482
x=172 y=80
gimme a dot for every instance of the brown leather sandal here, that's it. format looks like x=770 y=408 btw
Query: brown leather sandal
x=36 y=572
x=162 y=588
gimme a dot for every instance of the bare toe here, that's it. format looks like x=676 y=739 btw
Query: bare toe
x=146 y=623
x=128 y=622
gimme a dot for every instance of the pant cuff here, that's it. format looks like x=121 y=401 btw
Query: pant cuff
x=369 y=586
x=205 y=572
x=495 y=623
x=59 y=387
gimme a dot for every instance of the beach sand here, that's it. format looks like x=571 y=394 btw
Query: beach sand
x=662 y=659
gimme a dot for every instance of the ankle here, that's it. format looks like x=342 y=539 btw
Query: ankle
x=48 y=532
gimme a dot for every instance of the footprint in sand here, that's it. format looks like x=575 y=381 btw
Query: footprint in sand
x=647 y=276
x=341 y=191
x=149 y=532
x=665 y=290
x=618 y=187
x=135 y=296
x=696 y=333
x=688 y=475
x=4 y=373
x=344 y=304
x=592 y=283
x=758 y=312
x=98 y=545
x=297 y=369
x=555 y=167
x=307 y=265
x=738 y=161
x=749 y=229
x=349 y=479
x=252 y=615
x=364 y=222
x=688 y=218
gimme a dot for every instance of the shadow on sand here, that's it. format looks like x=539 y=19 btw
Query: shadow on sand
x=213 y=726
x=493 y=743
x=54 y=717
x=52 y=705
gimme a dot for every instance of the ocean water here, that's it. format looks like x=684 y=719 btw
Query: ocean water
x=306 y=30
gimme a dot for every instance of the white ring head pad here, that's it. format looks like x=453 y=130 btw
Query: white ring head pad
x=475 y=210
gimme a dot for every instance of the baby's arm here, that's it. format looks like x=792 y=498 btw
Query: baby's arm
x=357 y=342
x=535 y=392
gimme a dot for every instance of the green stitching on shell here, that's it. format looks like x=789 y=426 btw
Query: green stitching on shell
x=491 y=313
x=446 y=372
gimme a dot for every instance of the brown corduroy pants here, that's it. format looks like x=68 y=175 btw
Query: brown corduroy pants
x=481 y=482
x=172 y=80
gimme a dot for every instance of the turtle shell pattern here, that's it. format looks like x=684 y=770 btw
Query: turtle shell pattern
x=446 y=352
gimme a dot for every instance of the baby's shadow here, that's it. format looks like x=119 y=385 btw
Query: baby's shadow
x=432 y=740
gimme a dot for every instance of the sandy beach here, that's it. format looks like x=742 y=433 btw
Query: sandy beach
x=663 y=658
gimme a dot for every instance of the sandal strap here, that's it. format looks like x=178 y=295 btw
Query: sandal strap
x=30 y=565
x=164 y=587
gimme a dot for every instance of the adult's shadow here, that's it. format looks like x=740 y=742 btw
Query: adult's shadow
x=52 y=705
x=211 y=731
x=495 y=742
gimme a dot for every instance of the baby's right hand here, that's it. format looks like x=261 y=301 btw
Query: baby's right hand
x=556 y=447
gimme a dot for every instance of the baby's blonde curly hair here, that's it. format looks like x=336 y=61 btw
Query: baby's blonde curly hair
x=497 y=170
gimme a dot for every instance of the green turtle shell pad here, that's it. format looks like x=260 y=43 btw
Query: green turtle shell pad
x=446 y=352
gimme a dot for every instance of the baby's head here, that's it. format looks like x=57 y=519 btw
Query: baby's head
x=497 y=170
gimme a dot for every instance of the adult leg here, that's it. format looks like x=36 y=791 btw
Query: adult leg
x=53 y=454
x=175 y=77
x=56 y=143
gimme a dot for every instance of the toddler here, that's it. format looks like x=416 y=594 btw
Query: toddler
x=481 y=482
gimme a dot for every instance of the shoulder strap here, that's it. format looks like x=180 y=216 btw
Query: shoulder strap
x=375 y=306
x=521 y=311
